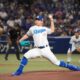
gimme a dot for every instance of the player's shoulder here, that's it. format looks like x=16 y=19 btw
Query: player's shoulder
x=36 y=27
x=73 y=37
x=32 y=27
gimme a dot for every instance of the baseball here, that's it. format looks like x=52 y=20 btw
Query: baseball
x=50 y=16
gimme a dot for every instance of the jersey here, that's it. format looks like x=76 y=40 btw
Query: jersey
x=39 y=35
x=75 y=41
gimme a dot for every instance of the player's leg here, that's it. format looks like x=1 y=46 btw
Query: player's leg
x=46 y=52
x=69 y=54
x=33 y=53
x=17 y=50
x=49 y=55
x=78 y=51
x=19 y=71
x=6 y=56
x=7 y=53
x=69 y=57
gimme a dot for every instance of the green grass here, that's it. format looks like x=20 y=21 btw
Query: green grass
x=36 y=64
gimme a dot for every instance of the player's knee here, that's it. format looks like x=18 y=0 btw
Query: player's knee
x=26 y=56
x=57 y=62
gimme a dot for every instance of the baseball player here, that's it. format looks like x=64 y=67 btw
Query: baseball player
x=74 y=45
x=41 y=45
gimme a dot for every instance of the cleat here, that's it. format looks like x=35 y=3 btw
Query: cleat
x=17 y=73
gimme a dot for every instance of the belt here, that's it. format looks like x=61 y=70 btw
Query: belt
x=41 y=47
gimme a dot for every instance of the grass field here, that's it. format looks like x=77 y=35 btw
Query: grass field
x=34 y=64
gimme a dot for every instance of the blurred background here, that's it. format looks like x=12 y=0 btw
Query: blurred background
x=66 y=15
x=21 y=14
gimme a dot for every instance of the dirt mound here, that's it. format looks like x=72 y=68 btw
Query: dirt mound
x=44 y=75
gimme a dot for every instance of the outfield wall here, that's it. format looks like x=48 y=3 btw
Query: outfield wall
x=60 y=44
x=57 y=44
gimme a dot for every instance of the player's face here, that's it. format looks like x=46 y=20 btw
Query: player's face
x=39 y=22
x=77 y=35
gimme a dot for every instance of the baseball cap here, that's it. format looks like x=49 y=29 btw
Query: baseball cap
x=40 y=18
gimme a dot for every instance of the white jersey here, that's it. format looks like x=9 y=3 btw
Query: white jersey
x=39 y=35
x=75 y=41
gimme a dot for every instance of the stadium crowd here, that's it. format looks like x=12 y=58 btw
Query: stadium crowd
x=66 y=14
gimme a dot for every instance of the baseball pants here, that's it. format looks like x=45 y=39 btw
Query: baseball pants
x=45 y=52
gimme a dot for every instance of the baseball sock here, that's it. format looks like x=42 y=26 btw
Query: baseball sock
x=24 y=61
x=69 y=66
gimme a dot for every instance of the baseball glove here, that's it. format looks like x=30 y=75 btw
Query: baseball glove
x=25 y=43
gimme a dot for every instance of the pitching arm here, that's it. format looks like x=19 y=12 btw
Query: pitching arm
x=52 y=27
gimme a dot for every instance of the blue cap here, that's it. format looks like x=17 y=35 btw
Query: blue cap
x=40 y=18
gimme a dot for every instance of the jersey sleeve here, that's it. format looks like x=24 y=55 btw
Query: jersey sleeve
x=29 y=33
x=48 y=30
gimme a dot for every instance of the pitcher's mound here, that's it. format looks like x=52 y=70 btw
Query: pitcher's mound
x=44 y=75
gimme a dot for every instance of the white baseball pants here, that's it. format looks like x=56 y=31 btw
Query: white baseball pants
x=45 y=52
